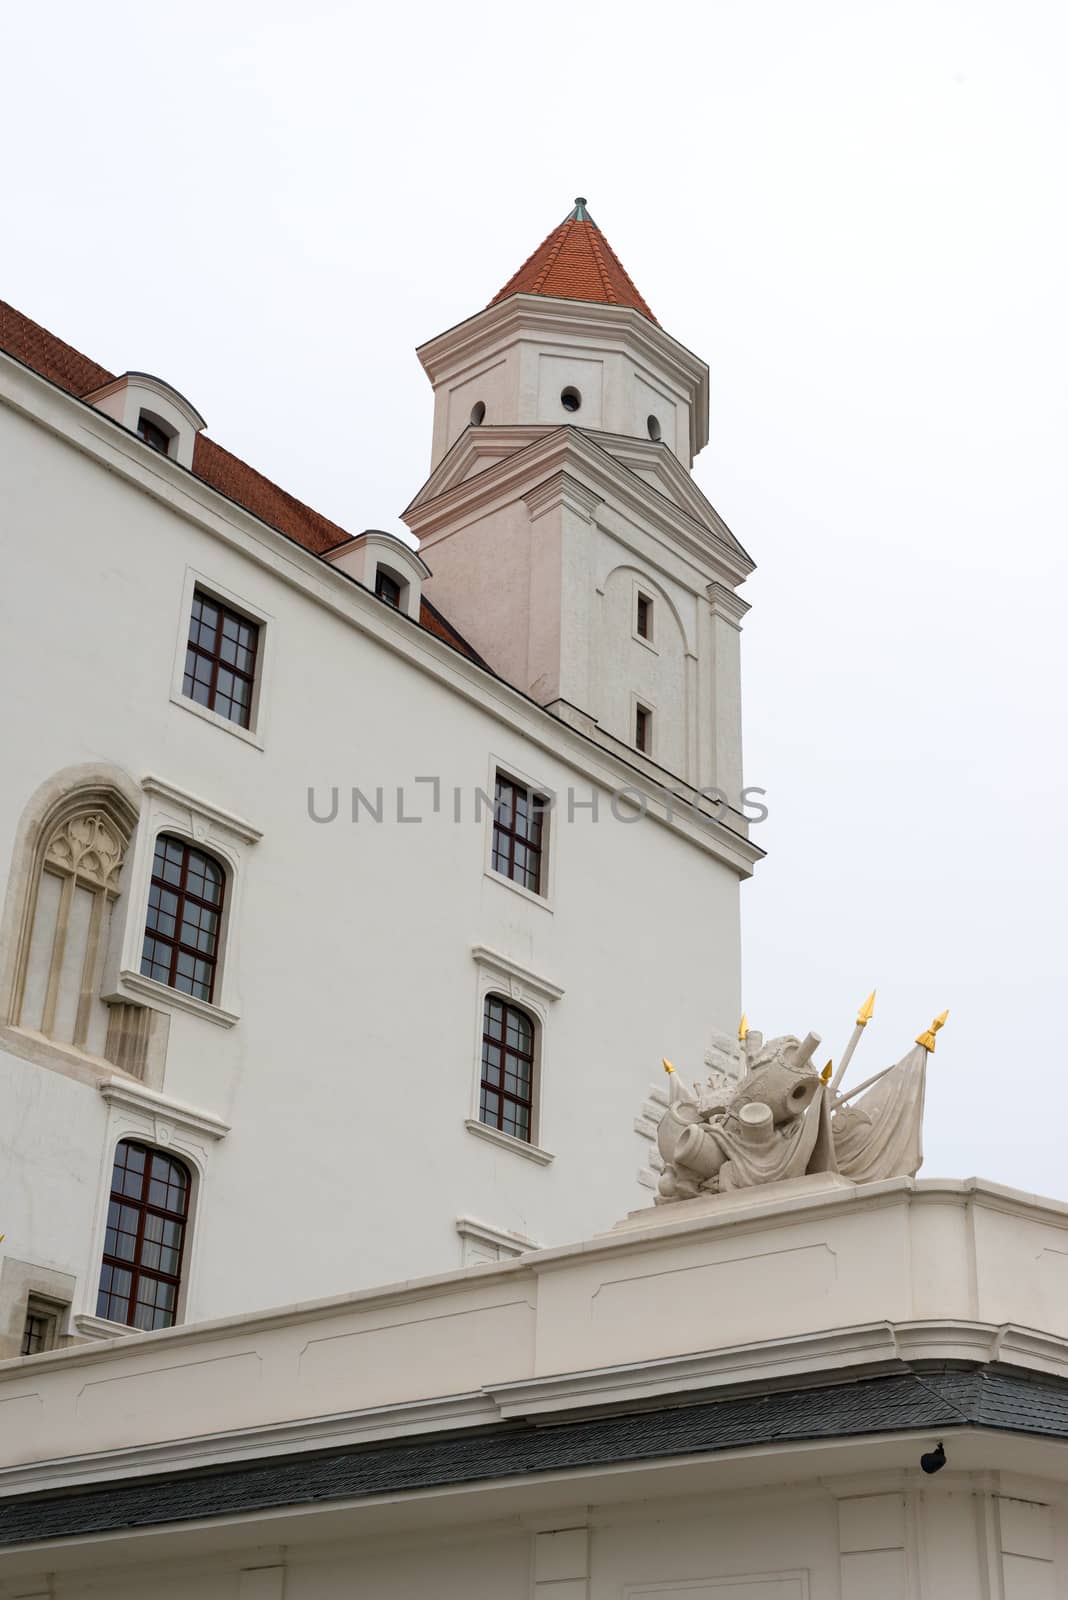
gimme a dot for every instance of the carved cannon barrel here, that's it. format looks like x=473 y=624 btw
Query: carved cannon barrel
x=698 y=1152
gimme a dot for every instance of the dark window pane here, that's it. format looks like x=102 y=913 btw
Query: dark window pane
x=517 y=833
x=141 y=1269
x=506 y=1093
x=220 y=664
x=182 y=918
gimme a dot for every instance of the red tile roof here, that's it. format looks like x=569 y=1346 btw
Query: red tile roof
x=576 y=262
x=40 y=350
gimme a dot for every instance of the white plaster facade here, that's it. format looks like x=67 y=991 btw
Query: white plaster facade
x=326 y=1100
x=811 y=1283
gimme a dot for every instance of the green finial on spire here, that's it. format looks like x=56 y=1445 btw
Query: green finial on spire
x=580 y=214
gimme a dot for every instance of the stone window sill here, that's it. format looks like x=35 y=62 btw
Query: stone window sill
x=519 y=1147
x=162 y=995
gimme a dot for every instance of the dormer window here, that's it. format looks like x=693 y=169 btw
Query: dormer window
x=388 y=588
x=153 y=434
x=158 y=414
x=386 y=566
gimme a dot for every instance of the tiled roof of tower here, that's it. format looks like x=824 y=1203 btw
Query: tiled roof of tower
x=44 y=353
x=576 y=262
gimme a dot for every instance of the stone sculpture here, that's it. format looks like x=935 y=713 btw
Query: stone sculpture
x=785 y=1119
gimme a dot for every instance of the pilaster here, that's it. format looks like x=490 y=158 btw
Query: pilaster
x=721 y=718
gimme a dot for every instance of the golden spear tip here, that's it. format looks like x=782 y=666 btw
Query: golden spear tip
x=743 y=1028
x=864 y=1015
x=825 y=1075
x=667 y=1064
x=928 y=1039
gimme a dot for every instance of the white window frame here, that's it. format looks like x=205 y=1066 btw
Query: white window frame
x=546 y=896
x=175 y=1129
x=255 y=733
x=499 y=975
x=168 y=809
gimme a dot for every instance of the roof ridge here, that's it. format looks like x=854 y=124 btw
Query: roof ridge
x=598 y=257
x=550 y=260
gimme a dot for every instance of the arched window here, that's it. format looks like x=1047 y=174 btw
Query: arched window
x=185 y=903
x=506 y=1099
x=73 y=887
x=142 y=1267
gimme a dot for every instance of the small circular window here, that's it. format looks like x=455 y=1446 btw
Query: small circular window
x=570 y=399
x=653 y=424
x=478 y=413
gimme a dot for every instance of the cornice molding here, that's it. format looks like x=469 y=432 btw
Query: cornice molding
x=837 y=1356
x=228 y=821
x=128 y=1095
x=726 y=605
x=526 y=316
x=562 y=490
x=709 y=543
x=505 y=967
x=94 y=434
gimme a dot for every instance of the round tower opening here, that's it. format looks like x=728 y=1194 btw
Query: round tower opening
x=570 y=399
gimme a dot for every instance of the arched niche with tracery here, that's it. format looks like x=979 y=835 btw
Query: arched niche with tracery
x=71 y=889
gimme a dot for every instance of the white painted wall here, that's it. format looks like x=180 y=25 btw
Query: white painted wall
x=559 y=1333
x=351 y=1070
x=777 y=1544
x=515 y=358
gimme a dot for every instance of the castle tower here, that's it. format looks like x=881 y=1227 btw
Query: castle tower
x=564 y=532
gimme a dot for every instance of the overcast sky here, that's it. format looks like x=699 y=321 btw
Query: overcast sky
x=854 y=211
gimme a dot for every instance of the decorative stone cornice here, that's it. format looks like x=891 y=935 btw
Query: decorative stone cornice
x=99 y=438
x=603 y=327
x=708 y=542
x=726 y=605
x=130 y=1096
x=562 y=490
x=516 y=974
x=229 y=821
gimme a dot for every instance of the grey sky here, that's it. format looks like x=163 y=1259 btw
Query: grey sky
x=854 y=212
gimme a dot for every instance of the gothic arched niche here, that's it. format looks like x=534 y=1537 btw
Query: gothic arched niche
x=73 y=857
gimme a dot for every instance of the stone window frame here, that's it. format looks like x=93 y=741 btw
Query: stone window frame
x=222 y=834
x=255 y=733
x=501 y=767
x=498 y=974
x=175 y=1129
x=24 y=1284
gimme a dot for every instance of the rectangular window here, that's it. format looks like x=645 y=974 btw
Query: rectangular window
x=644 y=621
x=153 y=434
x=643 y=729
x=387 y=588
x=518 y=833
x=220 y=659
x=40 y=1328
